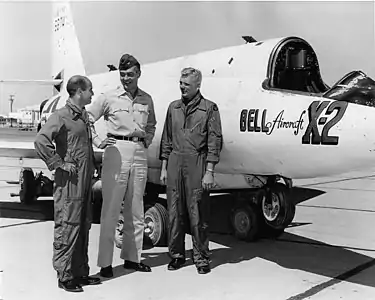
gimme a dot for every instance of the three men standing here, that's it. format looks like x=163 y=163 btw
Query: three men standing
x=72 y=159
x=130 y=118
x=190 y=148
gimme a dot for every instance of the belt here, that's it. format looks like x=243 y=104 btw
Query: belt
x=127 y=138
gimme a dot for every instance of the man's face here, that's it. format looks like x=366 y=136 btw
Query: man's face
x=87 y=94
x=189 y=86
x=129 y=78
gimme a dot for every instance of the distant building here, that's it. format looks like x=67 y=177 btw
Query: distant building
x=3 y=121
x=25 y=117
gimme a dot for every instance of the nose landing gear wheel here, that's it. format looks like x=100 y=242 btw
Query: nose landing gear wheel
x=156 y=224
x=119 y=231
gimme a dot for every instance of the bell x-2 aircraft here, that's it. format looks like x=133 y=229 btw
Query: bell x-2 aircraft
x=280 y=121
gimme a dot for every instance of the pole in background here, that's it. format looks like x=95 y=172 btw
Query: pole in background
x=11 y=100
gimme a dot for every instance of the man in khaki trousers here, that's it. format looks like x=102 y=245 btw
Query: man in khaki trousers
x=130 y=119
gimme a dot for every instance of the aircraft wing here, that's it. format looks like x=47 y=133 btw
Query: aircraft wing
x=42 y=82
x=27 y=150
x=17 y=149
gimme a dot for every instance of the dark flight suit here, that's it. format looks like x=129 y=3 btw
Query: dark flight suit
x=191 y=137
x=69 y=129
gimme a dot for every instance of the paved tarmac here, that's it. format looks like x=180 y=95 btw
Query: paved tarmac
x=327 y=253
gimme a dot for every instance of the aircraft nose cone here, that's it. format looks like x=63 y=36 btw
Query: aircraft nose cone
x=356 y=87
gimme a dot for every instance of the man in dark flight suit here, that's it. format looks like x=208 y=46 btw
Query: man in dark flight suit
x=73 y=162
x=190 y=148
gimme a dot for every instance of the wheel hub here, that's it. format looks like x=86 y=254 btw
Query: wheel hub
x=271 y=209
x=149 y=226
x=242 y=222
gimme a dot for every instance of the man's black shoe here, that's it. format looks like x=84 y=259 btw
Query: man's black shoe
x=88 y=280
x=70 y=286
x=203 y=269
x=176 y=263
x=136 y=266
x=106 y=272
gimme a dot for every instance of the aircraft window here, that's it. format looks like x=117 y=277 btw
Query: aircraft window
x=294 y=66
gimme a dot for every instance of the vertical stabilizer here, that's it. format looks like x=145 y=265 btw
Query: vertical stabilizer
x=66 y=54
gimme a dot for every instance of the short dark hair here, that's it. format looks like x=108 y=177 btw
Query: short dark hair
x=75 y=82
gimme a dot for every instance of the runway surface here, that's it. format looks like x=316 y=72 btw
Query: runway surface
x=327 y=253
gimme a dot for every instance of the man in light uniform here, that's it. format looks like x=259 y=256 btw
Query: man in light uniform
x=72 y=159
x=130 y=119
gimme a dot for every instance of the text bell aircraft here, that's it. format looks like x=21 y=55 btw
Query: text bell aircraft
x=280 y=121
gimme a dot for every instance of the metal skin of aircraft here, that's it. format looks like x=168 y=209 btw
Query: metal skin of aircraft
x=280 y=122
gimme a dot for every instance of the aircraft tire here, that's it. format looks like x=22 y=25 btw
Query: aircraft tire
x=119 y=231
x=119 y=228
x=156 y=224
x=97 y=201
x=27 y=186
x=245 y=219
x=278 y=214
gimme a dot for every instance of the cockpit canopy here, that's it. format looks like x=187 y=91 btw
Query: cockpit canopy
x=293 y=65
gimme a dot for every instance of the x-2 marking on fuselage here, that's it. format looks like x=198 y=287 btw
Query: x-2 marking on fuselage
x=251 y=121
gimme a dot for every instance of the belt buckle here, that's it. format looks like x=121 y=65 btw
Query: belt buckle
x=135 y=139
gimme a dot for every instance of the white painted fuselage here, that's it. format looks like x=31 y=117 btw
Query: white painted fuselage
x=271 y=143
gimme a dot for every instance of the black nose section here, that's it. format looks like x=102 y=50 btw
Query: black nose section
x=355 y=87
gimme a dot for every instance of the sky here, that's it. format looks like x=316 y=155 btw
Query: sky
x=342 y=34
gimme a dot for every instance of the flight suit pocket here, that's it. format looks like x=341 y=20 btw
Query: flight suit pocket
x=194 y=206
x=141 y=114
x=198 y=134
x=72 y=211
x=197 y=127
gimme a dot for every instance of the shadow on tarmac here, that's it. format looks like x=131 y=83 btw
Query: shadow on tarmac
x=39 y=210
x=43 y=209
x=289 y=251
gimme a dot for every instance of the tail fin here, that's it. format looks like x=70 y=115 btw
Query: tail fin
x=66 y=53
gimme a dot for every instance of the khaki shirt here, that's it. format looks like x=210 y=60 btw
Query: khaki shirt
x=124 y=115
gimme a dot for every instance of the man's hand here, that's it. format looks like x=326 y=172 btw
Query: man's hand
x=107 y=142
x=208 y=180
x=163 y=176
x=69 y=167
